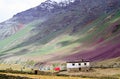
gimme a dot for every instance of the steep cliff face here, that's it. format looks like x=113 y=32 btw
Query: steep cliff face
x=68 y=30
x=84 y=9
x=49 y=8
x=9 y=28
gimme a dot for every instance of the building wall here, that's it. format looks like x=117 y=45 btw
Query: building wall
x=73 y=70
x=78 y=65
x=83 y=69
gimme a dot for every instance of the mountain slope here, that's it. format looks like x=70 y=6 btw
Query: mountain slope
x=50 y=32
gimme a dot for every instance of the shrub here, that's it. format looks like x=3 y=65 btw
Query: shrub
x=109 y=77
x=3 y=76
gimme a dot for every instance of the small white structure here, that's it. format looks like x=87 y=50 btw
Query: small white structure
x=45 y=67
x=76 y=66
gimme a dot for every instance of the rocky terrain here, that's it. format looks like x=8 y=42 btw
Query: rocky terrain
x=64 y=31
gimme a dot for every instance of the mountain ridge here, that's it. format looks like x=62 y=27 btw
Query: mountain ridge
x=63 y=33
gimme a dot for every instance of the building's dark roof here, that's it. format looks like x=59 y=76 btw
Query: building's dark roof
x=77 y=61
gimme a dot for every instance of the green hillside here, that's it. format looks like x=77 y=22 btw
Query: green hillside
x=59 y=43
x=60 y=32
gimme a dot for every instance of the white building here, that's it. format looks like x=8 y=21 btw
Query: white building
x=76 y=66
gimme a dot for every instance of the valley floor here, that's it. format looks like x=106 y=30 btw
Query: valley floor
x=112 y=73
x=98 y=73
x=39 y=76
x=95 y=73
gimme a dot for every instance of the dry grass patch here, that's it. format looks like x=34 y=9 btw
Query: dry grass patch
x=42 y=77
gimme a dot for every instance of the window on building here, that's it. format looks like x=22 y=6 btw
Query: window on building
x=79 y=64
x=73 y=64
x=85 y=63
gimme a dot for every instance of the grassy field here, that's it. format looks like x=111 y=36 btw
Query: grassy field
x=106 y=74
x=14 y=67
x=95 y=73
x=98 y=73
x=41 y=77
